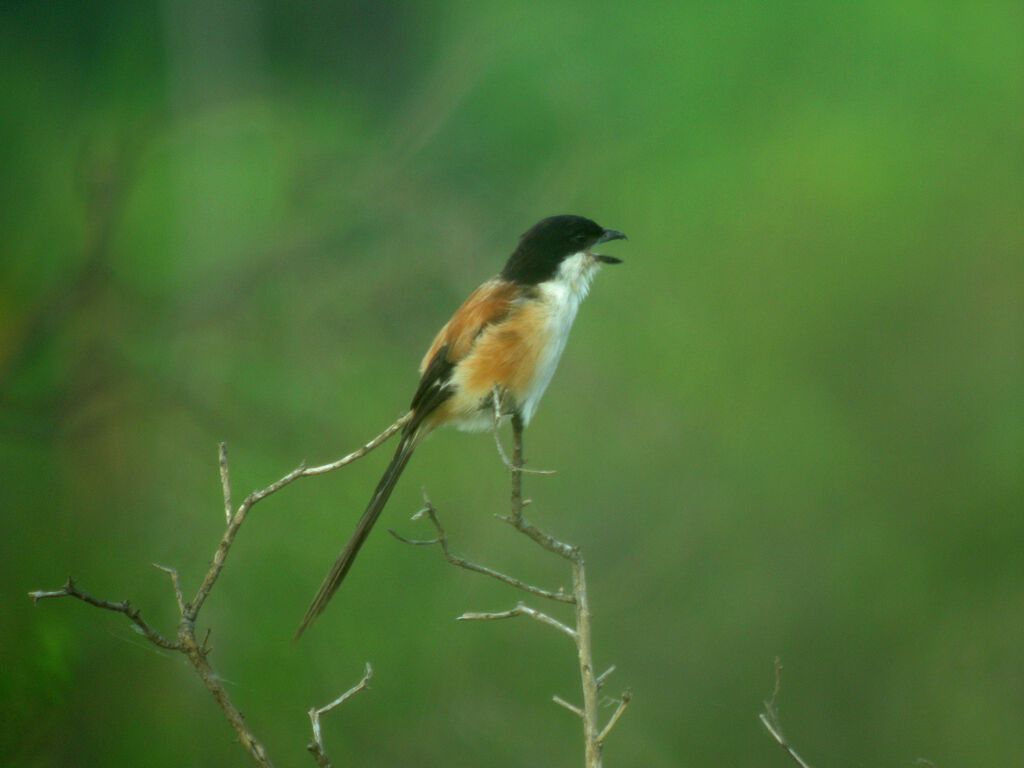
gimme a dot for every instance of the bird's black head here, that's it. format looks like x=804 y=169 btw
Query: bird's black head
x=544 y=246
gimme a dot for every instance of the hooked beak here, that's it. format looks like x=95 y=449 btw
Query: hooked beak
x=608 y=234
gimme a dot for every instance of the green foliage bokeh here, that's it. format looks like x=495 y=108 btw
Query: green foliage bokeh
x=790 y=424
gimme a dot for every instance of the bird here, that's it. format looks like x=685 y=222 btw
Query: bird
x=496 y=354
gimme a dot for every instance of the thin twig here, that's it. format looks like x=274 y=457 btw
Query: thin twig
x=624 y=700
x=593 y=738
x=497 y=399
x=358 y=453
x=175 y=584
x=70 y=590
x=593 y=735
x=770 y=719
x=604 y=676
x=197 y=654
x=185 y=644
x=571 y=707
x=220 y=556
x=239 y=515
x=188 y=611
x=520 y=610
x=516 y=495
x=317 y=745
x=517 y=503
x=442 y=539
x=225 y=482
x=546 y=540
x=591 y=741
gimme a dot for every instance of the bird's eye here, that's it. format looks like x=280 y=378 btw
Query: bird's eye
x=579 y=237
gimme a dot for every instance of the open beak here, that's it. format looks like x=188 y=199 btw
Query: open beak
x=608 y=234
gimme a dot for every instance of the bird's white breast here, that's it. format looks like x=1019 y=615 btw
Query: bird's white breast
x=561 y=297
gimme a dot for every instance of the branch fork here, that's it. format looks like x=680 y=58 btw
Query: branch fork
x=185 y=641
x=316 y=747
x=593 y=734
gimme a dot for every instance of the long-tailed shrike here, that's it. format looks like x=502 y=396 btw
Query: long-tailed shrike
x=505 y=341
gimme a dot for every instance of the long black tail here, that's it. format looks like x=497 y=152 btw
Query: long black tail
x=355 y=541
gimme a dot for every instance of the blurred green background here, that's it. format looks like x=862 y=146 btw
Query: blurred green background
x=791 y=424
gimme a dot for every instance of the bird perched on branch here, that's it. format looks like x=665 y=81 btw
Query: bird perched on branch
x=496 y=355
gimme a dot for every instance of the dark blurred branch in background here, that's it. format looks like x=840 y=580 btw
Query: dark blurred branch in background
x=105 y=175
x=593 y=734
x=186 y=642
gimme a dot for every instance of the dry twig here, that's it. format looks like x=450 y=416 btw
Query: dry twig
x=317 y=745
x=593 y=735
x=186 y=642
x=499 y=415
x=770 y=719
x=441 y=540
x=71 y=590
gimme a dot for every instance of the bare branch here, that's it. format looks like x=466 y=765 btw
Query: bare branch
x=175 y=583
x=571 y=707
x=546 y=540
x=442 y=539
x=219 y=557
x=498 y=416
x=516 y=476
x=185 y=644
x=584 y=654
x=317 y=745
x=769 y=722
x=362 y=451
x=197 y=655
x=225 y=482
x=515 y=517
x=70 y=590
x=188 y=611
x=496 y=400
x=770 y=719
x=520 y=610
x=604 y=676
x=593 y=737
x=624 y=700
x=236 y=519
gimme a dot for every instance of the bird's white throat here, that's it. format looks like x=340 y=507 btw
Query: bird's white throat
x=561 y=296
